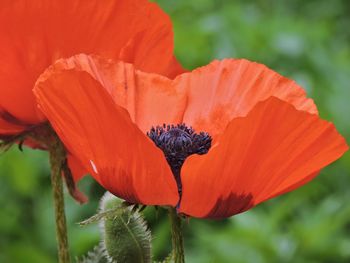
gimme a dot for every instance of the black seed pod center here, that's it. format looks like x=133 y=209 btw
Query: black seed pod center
x=178 y=142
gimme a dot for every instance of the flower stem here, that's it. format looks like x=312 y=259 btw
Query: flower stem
x=176 y=236
x=57 y=158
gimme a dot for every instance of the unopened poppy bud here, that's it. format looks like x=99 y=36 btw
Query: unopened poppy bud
x=125 y=235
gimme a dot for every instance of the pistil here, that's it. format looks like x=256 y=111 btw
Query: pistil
x=177 y=143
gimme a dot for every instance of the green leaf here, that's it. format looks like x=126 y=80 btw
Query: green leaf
x=109 y=213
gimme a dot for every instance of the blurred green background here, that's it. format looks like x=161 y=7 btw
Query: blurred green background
x=308 y=41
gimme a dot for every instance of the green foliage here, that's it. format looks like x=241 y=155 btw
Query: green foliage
x=125 y=235
x=304 y=40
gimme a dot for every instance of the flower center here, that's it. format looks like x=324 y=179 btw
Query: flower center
x=178 y=142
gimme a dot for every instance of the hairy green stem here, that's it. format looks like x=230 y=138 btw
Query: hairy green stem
x=57 y=158
x=176 y=236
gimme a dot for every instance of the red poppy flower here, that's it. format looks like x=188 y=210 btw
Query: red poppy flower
x=34 y=35
x=263 y=135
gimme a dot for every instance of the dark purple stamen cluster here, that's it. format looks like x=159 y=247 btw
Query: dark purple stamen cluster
x=178 y=142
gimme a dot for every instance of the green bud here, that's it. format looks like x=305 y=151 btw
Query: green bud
x=125 y=235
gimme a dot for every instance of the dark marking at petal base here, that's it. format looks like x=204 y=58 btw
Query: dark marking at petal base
x=231 y=205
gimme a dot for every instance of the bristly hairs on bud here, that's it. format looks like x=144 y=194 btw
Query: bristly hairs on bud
x=125 y=236
x=96 y=255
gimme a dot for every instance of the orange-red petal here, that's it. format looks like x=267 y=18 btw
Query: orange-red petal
x=33 y=36
x=150 y=99
x=274 y=149
x=75 y=166
x=7 y=127
x=230 y=88
x=207 y=98
x=102 y=136
x=74 y=169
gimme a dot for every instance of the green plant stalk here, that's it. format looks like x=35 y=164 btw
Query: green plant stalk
x=176 y=236
x=57 y=158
